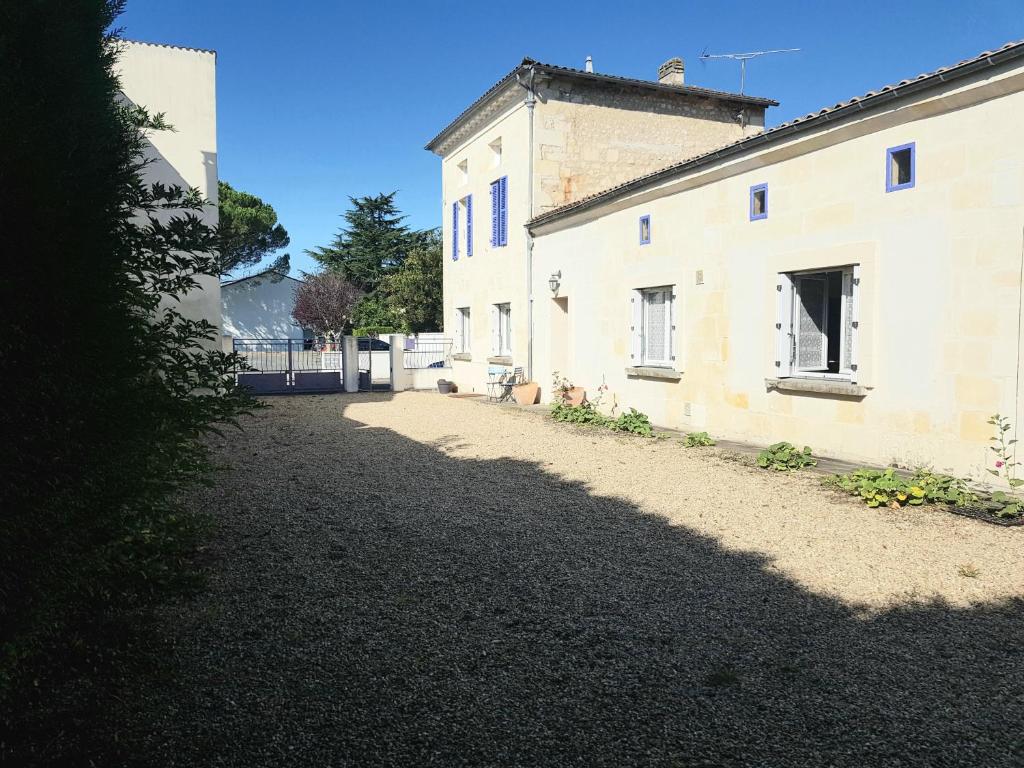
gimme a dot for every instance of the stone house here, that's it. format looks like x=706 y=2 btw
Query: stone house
x=850 y=280
x=541 y=137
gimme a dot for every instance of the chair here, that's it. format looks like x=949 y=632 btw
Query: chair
x=500 y=382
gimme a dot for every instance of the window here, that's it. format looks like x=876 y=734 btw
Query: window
x=900 y=167
x=501 y=329
x=495 y=152
x=645 y=230
x=462 y=330
x=653 y=327
x=758 y=202
x=818 y=323
x=499 y=212
x=464 y=172
x=462 y=226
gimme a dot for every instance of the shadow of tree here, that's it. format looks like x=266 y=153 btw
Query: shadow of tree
x=433 y=609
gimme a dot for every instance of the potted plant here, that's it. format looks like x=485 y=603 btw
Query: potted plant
x=526 y=393
x=566 y=391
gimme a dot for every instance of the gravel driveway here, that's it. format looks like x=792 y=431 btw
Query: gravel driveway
x=420 y=580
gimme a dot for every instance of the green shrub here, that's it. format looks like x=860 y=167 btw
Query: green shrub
x=784 y=457
x=585 y=414
x=884 y=487
x=633 y=422
x=374 y=330
x=698 y=440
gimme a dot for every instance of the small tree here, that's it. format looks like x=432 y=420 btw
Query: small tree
x=413 y=294
x=324 y=303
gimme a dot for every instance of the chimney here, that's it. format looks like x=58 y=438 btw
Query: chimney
x=589 y=65
x=671 y=72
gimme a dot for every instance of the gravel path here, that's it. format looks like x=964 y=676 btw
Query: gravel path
x=419 y=580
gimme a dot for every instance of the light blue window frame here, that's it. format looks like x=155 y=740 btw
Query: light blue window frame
x=889 y=186
x=645 y=219
x=753 y=193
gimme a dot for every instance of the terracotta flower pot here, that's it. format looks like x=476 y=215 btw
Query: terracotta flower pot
x=527 y=393
x=574 y=396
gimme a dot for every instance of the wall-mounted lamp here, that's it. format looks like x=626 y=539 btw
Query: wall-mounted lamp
x=554 y=281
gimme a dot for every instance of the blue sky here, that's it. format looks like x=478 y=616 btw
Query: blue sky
x=319 y=100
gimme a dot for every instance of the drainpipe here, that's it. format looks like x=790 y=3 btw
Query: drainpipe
x=530 y=101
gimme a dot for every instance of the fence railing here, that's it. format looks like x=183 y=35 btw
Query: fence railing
x=427 y=353
x=287 y=355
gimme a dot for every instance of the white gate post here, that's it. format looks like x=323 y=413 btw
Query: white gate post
x=399 y=378
x=350 y=363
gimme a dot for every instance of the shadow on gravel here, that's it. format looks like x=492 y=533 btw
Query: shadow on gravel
x=420 y=609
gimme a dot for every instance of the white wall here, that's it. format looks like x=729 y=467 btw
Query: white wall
x=260 y=307
x=181 y=83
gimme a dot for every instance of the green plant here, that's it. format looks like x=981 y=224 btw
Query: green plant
x=585 y=414
x=784 y=457
x=560 y=384
x=1006 y=455
x=634 y=422
x=1002 y=504
x=698 y=440
x=885 y=487
x=374 y=330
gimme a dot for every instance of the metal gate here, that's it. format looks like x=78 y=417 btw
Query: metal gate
x=283 y=366
x=374 y=364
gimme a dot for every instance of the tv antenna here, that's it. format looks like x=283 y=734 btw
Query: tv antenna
x=742 y=58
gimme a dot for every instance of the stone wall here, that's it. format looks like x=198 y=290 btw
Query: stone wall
x=589 y=138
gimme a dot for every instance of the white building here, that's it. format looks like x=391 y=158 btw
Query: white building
x=181 y=84
x=260 y=307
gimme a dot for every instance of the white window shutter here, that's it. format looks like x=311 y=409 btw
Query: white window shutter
x=508 y=329
x=855 y=325
x=459 y=342
x=495 y=331
x=636 y=325
x=784 y=337
x=673 y=343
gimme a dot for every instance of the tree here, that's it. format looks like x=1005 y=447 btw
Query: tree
x=324 y=303
x=249 y=231
x=110 y=390
x=373 y=245
x=413 y=295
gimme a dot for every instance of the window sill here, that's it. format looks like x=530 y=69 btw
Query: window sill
x=650 y=372
x=817 y=386
x=500 y=359
x=464 y=356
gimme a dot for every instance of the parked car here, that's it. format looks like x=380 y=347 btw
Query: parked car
x=373 y=345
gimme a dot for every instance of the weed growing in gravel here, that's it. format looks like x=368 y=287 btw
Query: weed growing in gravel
x=1006 y=454
x=968 y=571
x=784 y=457
x=585 y=414
x=698 y=440
x=634 y=422
x=884 y=487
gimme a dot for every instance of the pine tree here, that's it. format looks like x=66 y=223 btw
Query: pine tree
x=374 y=243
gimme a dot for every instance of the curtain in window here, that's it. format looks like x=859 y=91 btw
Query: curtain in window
x=655 y=326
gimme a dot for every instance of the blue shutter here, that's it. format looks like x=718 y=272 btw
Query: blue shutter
x=495 y=208
x=455 y=231
x=503 y=211
x=469 y=225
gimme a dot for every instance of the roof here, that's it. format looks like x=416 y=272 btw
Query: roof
x=883 y=95
x=168 y=45
x=264 y=273
x=597 y=79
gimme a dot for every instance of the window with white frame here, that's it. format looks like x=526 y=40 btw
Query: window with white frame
x=501 y=329
x=818 y=321
x=653 y=327
x=462 y=330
